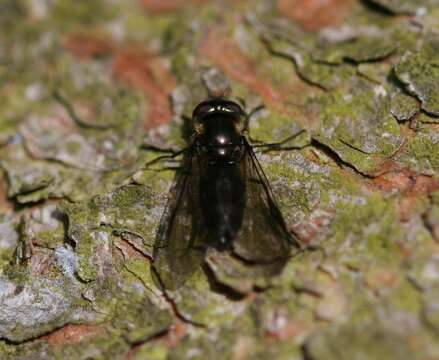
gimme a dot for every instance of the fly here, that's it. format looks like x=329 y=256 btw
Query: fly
x=220 y=199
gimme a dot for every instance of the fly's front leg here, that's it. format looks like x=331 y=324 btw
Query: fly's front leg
x=249 y=115
x=169 y=151
x=171 y=154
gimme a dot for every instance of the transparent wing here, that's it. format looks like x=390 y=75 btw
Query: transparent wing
x=178 y=249
x=264 y=237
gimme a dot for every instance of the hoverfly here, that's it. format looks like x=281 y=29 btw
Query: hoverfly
x=220 y=199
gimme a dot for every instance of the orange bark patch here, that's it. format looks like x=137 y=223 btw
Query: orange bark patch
x=386 y=167
x=72 y=334
x=314 y=224
x=377 y=279
x=314 y=15
x=164 y=6
x=425 y=185
x=140 y=70
x=414 y=196
x=286 y=331
x=129 y=251
x=5 y=205
x=86 y=46
x=413 y=188
x=407 y=182
x=133 y=66
x=394 y=181
x=171 y=338
x=175 y=334
x=40 y=263
x=227 y=56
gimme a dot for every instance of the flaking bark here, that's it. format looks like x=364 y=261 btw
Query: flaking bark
x=92 y=93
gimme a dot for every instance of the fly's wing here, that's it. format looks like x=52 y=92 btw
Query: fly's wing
x=263 y=237
x=178 y=246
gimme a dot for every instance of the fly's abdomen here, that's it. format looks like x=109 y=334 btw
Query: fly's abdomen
x=222 y=195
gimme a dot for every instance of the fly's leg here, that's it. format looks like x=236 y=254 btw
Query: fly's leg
x=280 y=145
x=172 y=154
x=248 y=115
x=268 y=146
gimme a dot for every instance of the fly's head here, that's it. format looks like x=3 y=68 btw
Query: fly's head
x=228 y=110
x=218 y=127
x=217 y=105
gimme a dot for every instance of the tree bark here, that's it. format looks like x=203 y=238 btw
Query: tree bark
x=96 y=98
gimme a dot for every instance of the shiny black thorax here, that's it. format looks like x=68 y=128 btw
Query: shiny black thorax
x=222 y=185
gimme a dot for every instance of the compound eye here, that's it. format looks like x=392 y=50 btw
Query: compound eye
x=202 y=110
x=217 y=106
x=234 y=108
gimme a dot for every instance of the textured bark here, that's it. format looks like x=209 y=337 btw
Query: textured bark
x=90 y=91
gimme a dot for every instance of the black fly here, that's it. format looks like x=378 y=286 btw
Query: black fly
x=221 y=199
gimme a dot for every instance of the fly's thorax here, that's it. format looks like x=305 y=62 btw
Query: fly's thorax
x=221 y=152
x=220 y=138
x=218 y=130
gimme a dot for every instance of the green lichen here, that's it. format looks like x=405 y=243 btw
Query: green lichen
x=372 y=231
x=142 y=271
x=239 y=277
x=375 y=72
x=86 y=241
x=435 y=197
x=362 y=340
x=197 y=303
x=140 y=320
x=362 y=49
x=367 y=288
x=405 y=298
x=157 y=351
x=431 y=310
x=322 y=75
x=123 y=212
x=83 y=13
x=143 y=28
x=278 y=128
x=359 y=127
x=103 y=347
x=402 y=106
x=109 y=148
x=425 y=149
x=31 y=349
x=419 y=72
